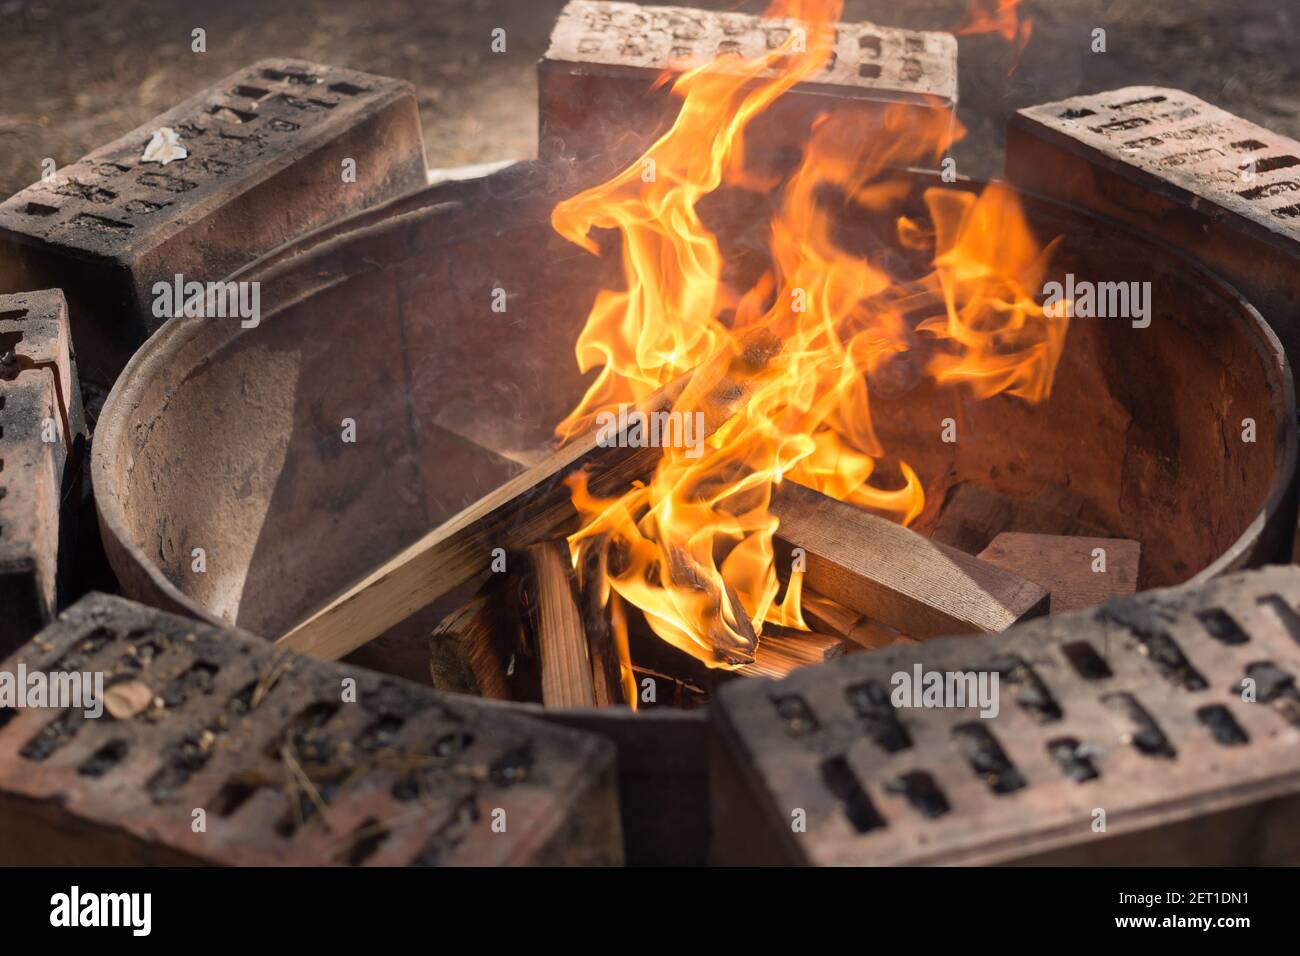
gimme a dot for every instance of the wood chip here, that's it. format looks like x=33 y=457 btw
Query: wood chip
x=124 y=701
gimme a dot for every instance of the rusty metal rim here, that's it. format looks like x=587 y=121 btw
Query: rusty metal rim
x=1283 y=491
x=131 y=563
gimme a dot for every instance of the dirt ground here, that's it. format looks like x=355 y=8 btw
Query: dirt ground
x=76 y=74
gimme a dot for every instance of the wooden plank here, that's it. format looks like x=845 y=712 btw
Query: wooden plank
x=876 y=567
x=816 y=647
x=1067 y=566
x=782 y=650
x=561 y=637
x=849 y=625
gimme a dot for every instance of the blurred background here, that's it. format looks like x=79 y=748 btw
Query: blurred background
x=77 y=73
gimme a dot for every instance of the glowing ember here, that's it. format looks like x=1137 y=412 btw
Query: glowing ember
x=789 y=357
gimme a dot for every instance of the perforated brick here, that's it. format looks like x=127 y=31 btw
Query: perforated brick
x=285 y=770
x=1135 y=709
x=43 y=437
x=1218 y=187
x=34 y=327
x=266 y=147
x=594 y=84
x=31 y=478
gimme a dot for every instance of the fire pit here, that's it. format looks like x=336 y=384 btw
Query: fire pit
x=412 y=365
x=229 y=439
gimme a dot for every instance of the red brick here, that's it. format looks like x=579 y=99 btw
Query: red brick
x=265 y=145
x=1197 y=776
x=594 y=83
x=35 y=327
x=31 y=477
x=1175 y=167
x=420 y=773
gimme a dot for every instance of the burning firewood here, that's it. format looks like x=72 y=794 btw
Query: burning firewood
x=532 y=507
x=606 y=673
x=871 y=565
x=729 y=629
x=783 y=650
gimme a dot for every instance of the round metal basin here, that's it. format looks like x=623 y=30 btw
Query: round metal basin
x=231 y=439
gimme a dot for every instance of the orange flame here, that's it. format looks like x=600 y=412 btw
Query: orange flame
x=1000 y=17
x=789 y=358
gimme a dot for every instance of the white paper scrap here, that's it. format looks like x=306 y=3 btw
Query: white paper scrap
x=163 y=147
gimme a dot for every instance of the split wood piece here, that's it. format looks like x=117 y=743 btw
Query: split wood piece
x=851 y=626
x=1068 y=566
x=786 y=650
x=874 y=566
x=818 y=646
x=561 y=636
x=606 y=674
x=532 y=507
x=468 y=652
x=972 y=515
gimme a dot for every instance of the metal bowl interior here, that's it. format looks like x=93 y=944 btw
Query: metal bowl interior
x=231 y=439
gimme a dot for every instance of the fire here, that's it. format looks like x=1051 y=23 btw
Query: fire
x=1000 y=17
x=780 y=370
